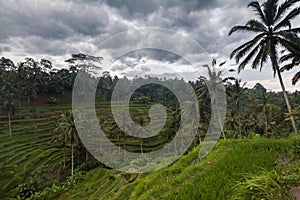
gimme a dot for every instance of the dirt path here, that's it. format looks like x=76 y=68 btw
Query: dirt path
x=296 y=193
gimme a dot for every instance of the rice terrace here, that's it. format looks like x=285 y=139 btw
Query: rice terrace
x=187 y=100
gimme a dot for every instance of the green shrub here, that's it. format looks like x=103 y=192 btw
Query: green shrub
x=55 y=190
x=267 y=186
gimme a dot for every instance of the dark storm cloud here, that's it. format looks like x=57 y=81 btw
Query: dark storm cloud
x=55 y=26
x=133 y=8
x=154 y=54
x=51 y=20
x=5 y=49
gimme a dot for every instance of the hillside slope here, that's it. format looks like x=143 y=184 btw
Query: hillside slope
x=212 y=178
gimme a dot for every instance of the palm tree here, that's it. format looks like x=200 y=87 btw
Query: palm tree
x=8 y=109
x=115 y=132
x=273 y=29
x=232 y=122
x=214 y=80
x=141 y=122
x=266 y=109
x=65 y=126
x=236 y=93
x=7 y=89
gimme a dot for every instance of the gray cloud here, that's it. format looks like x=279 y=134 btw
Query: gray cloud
x=60 y=27
x=5 y=49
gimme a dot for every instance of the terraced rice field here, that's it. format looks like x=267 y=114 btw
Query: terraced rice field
x=32 y=150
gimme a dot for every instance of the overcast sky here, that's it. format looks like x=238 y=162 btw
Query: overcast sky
x=54 y=29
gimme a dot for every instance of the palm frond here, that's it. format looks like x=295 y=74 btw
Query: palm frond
x=257 y=25
x=270 y=10
x=243 y=52
x=286 y=57
x=248 y=58
x=291 y=46
x=286 y=22
x=222 y=63
x=283 y=8
x=296 y=78
x=264 y=57
x=257 y=8
x=259 y=56
x=274 y=57
x=287 y=67
x=294 y=30
x=247 y=46
x=244 y=29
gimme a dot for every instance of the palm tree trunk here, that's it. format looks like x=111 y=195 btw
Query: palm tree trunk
x=238 y=119
x=141 y=141
x=72 y=160
x=287 y=100
x=86 y=155
x=266 y=128
x=64 y=157
x=221 y=125
x=9 y=126
x=124 y=141
x=19 y=100
x=119 y=141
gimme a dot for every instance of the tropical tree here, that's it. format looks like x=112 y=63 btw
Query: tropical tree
x=266 y=108
x=85 y=62
x=232 y=123
x=141 y=122
x=65 y=127
x=116 y=132
x=8 y=109
x=213 y=80
x=273 y=32
x=236 y=95
x=7 y=89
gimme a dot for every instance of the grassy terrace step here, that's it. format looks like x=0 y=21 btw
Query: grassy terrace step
x=36 y=160
x=32 y=162
x=10 y=156
x=22 y=155
x=212 y=178
x=25 y=121
x=52 y=159
x=29 y=142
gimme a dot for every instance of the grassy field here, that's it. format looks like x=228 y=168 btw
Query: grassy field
x=212 y=178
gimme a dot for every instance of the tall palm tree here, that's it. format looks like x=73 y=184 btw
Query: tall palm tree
x=266 y=108
x=232 y=123
x=214 y=79
x=65 y=126
x=116 y=132
x=8 y=109
x=236 y=94
x=273 y=31
x=141 y=122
